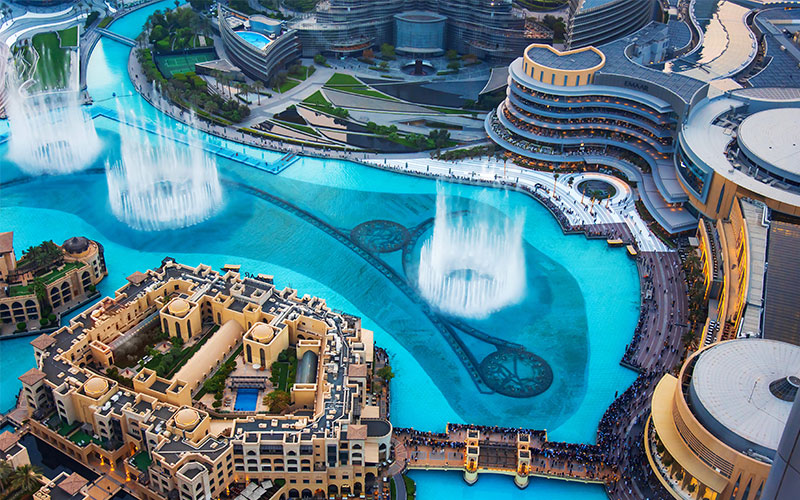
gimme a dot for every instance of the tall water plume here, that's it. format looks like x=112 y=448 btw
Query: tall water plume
x=50 y=132
x=474 y=263
x=162 y=180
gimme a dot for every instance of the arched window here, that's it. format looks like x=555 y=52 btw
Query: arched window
x=66 y=292
x=177 y=329
x=249 y=354
x=86 y=280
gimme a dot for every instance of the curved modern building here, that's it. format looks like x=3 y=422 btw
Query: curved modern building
x=693 y=145
x=258 y=46
x=490 y=29
x=742 y=144
x=595 y=22
x=714 y=430
x=596 y=107
x=419 y=33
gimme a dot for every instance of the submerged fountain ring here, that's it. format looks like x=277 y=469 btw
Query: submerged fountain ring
x=516 y=373
x=380 y=236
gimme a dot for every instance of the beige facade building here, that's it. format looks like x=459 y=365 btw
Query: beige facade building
x=68 y=281
x=715 y=429
x=330 y=441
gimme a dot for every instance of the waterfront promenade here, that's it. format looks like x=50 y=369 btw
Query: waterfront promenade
x=515 y=452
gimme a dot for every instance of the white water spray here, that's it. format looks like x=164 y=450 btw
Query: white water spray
x=472 y=265
x=159 y=183
x=50 y=132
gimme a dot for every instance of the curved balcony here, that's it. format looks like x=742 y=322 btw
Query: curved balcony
x=637 y=145
x=594 y=101
x=664 y=130
x=658 y=142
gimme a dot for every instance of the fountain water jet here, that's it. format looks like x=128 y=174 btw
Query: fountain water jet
x=472 y=265
x=50 y=132
x=159 y=183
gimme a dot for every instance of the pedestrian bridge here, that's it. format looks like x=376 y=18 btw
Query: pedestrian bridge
x=520 y=453
x=117 y=37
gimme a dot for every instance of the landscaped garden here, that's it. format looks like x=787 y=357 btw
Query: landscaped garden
x=181 y=29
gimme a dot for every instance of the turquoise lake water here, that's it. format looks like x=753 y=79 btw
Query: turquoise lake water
x=579 y=310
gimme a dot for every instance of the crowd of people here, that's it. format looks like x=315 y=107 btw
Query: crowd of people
x=507 y=432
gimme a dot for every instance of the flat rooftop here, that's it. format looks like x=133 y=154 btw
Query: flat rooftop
x=731 y=382
x=592 y=4
x=781 y=317
x=773 y=137
x=582 y=59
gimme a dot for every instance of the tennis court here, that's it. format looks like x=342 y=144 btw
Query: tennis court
x=171 y=64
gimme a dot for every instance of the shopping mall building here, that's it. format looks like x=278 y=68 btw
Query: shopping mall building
x=694 y=135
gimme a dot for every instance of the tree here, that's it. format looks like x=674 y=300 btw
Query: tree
x=386 y=373
x=387 y=51
x=451 y=55
x=383 y=65
x=258 y=85
x=40 y=290
x=454 y=65
x=555 y=178
x=368 y=54
x=6 y=469
x=26 y=478
x=440 y=138
x=320 y=59
x=278 y=401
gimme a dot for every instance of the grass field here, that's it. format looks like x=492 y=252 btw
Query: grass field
x=52 y=70
x=180 y=63
x=69 y=37
x=342 y=79
x=316 y=98
x=363 y=90
x=287 y=86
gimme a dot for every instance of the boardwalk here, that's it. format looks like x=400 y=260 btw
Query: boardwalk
x=515 y=452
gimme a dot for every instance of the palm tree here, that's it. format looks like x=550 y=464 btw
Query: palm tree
x=258 y=85
x=570 y=181
x=26 y=478
x=6 y=470
x=555 y=178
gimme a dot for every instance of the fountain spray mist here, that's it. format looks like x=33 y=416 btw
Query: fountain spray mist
x=473 y=264
x=50 y=132
x=161 y=181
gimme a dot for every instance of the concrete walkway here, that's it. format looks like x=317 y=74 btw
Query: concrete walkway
x=576 y=207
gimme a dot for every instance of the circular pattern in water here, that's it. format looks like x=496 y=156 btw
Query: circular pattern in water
x=516 y=373
x=598 y=188
x=380 y=236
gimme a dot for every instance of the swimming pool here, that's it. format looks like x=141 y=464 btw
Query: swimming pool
x=255 y=39
x=246 y=399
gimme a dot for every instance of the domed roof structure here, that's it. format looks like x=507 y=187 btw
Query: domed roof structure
x=187 y=418
x=179 y=307
x=96 y=387
x=76 y=244
x=262 y=333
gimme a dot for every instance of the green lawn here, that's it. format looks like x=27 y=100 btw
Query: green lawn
x=303 y=74
x=52 y=70
x=81 y=438
x=69 y=37
x=142 y=460
x=343 y=79
x=287 y=86
x=363 y=90
x=317 y=99
x=105 y=22
x=282 y=370
x=18 y=290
